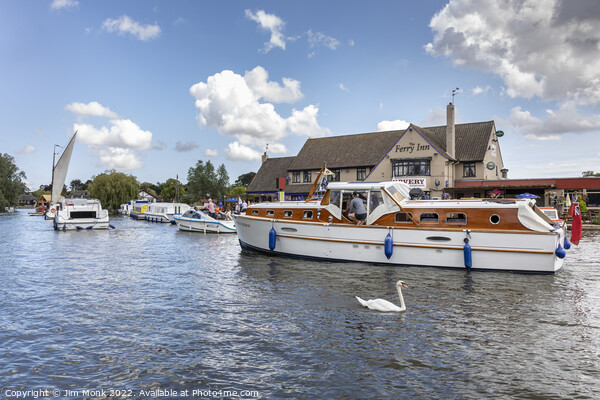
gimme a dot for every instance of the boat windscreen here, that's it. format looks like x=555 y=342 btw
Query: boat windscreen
x=393 y=190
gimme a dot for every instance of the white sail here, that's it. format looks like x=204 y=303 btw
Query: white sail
x=59 y=172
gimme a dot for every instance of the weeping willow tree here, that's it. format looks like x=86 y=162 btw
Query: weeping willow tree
x=114 y=188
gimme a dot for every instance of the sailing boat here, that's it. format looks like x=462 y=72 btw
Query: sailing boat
x=59 y=174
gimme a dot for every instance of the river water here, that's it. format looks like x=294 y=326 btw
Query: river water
x=147 y=311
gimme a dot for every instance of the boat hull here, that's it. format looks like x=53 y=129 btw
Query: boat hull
x=507 y=251
x=195 y=225
x=80 y=224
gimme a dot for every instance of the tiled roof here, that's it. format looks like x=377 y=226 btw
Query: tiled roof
x=345 y=151
x=265 y=180
x=471 y=139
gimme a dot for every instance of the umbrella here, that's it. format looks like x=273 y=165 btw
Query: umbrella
x=232 y=199
x=527 y=196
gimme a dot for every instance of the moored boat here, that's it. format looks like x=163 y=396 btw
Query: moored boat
x=59 y=174
x=198 y=221
x=165 y=212
x=139 y=209
x=484 y=234
x=80 y=214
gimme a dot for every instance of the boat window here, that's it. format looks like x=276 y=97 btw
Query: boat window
x=456 y=218
x=375 y=200
x=307 y=214
x=270 y=213
x=287 y=214
x=188 y=214
x=495 y=219
x=254 y=212
x=335 y=197
x=402 y=217
x=429 y=217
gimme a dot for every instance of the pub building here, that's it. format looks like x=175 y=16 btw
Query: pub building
x=448 y=161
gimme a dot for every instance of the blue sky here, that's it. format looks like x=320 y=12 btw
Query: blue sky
x=154 y=86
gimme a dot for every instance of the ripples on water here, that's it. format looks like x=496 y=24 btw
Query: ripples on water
x=148 y=307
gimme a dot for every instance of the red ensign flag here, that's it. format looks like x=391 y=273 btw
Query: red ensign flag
x=576 y=227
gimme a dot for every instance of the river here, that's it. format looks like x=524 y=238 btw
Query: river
x=147 y=311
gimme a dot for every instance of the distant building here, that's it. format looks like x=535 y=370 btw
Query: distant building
x=27 y=199
x=143 y=195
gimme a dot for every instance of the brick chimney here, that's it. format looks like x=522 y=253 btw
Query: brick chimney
x=264 y=157
x=450 y=131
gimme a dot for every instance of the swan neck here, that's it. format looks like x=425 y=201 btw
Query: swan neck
x=402 y=305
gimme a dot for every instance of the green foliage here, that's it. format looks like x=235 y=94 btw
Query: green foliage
x=114 y=188
x=204 y=182
x=76 y=184
x=149 y=188
x=590 y=173
x=245 y=179
x=172 y=189
x=237 y=191
x=11 y=182
x=596 y=219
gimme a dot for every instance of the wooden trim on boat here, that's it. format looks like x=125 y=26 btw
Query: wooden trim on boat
x=449 y=228
x=409 y=215
x=412 y=245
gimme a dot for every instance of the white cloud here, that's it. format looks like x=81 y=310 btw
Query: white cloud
x=185 y=146
x=564 y=120
x=271 y=23
x=318 y=39
x=257 y=81
x=60 y=4
x=344 y=88
x=122 y=133
x=539 y=48
x=304 y=122
x=117 y=158
x=119 y=145
x=124 y=24
x=232 y=103
x=26 y=150
x=238 y=152
x=211 y=153
x=479 y=90
x=92 y=108
x=392 y=125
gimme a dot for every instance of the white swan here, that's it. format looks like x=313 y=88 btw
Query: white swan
x=384 y=305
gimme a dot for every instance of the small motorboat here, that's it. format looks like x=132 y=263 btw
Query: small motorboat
x=199 y=221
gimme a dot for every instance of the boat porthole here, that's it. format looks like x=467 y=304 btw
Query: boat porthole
x=494 y=219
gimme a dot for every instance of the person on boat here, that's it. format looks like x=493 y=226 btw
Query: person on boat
x=211 y=208
x=357 y=213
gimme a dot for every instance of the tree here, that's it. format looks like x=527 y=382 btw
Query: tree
x=245 y=179
x=149 y=188
x=11 y=182
x=114 y=188
x=172 y=189
x=222 y=182
x=590 y=173
x=76 y=184
x=201 y=181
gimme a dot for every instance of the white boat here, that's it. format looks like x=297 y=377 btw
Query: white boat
x=198 y=221
x=59 y=174
x=483 y=234
x=165 y=212
x=80 y=214
x=127 y=208
x=139 y=209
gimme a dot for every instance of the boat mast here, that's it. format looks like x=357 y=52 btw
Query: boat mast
x=53 y=166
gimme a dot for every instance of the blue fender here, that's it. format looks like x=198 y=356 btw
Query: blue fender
x=560 y=252
x=468 y=255
x=567 y=244
x=272 y=239
x=388 y=246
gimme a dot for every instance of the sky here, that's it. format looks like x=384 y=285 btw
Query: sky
x=152 y=87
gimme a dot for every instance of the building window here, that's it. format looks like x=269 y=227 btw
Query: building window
x=296 y=177
x=335 y=177
x=361 y=174
x=410 y=168
x=469 y=170
x=307 y=177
